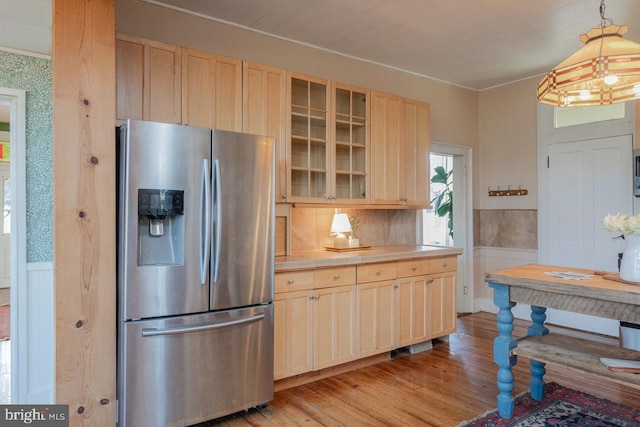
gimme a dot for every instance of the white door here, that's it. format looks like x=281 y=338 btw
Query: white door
x=460 y=160
x=587 y=180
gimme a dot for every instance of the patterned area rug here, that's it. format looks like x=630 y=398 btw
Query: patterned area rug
x=4 y=322
x=561 y=407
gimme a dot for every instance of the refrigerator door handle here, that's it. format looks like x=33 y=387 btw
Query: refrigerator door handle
x=153 y=332
x=218 y=202
x=205 y=222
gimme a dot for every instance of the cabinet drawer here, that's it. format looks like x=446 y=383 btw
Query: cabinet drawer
x=413 y=267
x=439 y=265
x=376 y=272
x=294 y=281
x=330 y=277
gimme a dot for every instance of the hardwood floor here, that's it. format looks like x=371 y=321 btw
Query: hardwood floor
x=453 y=382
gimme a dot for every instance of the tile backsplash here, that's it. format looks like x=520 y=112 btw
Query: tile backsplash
x=378 y=227
x=506 y=228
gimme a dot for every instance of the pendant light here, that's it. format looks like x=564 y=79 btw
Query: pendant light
x=604 y=71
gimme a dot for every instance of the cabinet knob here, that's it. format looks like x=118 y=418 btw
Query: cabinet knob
x=284 y=196
x=430 y=281
x=395 y=286
x=379 y=272
x=291 y=281
x=414 y=268
x=336 y=277
x=444 y=264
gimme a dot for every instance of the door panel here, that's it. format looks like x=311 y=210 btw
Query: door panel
x=161 y=275
x=243 y=220
x=587 y=180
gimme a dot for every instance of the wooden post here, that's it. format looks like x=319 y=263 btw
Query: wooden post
x=84 y=208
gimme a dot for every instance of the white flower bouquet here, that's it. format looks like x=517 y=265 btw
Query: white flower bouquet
x=620 y=223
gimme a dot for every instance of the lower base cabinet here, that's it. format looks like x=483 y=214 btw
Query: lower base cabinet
x=314 y=328
x=293 y=333
x=326 y=317
x=413 y=310
x=334 y=326
x=443 y=306
x=376 y=317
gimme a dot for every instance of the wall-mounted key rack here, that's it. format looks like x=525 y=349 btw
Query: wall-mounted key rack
x=508 y=192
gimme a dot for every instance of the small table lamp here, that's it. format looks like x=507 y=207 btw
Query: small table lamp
x=339 y=226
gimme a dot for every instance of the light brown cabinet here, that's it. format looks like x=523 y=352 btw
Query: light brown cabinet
x=314 y=320
x=416 y=175
x=350 y=146
x=413 y=310
x=148 y=80
x=308 y=136
x=360 y=311
x=293 y=323
x=399 y=151
x=442 y=296
x=211 y=90
x=334 y=326
x=385 y=149
x=293 y=332
x=427 y=299
x=264 y=100
x=376 y=317
x=328 y=141
x=335 y=143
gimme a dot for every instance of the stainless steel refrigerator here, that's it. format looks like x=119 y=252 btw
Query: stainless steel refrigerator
x=195 y=273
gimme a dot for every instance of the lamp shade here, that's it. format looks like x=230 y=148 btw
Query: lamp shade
x=604 y=71
x=340 y=224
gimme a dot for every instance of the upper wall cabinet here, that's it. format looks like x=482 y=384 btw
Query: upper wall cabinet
x=351 y=143
x=385 y=149
x=211 y=90
x=264 y=95
x=148 y=77
x=328 y=138
x=399 y=151
x=415 y=138
x=308 y=136
x=335 y=143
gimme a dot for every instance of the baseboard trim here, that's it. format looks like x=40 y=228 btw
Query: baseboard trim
x=310 y=377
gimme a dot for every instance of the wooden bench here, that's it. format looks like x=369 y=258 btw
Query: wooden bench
x=578 y=355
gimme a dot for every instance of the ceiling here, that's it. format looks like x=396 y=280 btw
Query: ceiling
x=477 y=44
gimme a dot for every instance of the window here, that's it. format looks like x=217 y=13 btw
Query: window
x=564 y=117
x=435 y=228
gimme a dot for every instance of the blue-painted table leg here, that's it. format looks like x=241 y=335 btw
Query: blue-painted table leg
x=538 y=316
x=502 y=346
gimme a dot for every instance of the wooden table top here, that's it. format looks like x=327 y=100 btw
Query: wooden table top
x=533 y=276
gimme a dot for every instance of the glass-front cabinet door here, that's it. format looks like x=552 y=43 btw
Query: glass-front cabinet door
x=350 y=144
x=309 y=139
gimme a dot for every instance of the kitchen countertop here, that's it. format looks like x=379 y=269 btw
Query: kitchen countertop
x=323 y=258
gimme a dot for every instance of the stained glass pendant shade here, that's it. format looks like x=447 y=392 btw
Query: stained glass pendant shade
x=604 y=71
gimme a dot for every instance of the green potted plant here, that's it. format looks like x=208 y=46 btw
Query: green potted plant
x=443 y=202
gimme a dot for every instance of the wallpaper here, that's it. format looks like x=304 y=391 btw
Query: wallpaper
x=33 y=75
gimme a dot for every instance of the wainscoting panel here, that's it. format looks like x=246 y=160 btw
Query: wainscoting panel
x=37 y=377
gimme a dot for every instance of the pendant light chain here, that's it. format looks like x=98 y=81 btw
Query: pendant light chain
x=604 y=21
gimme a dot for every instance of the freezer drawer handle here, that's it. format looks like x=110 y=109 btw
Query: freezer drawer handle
x=152 y=332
